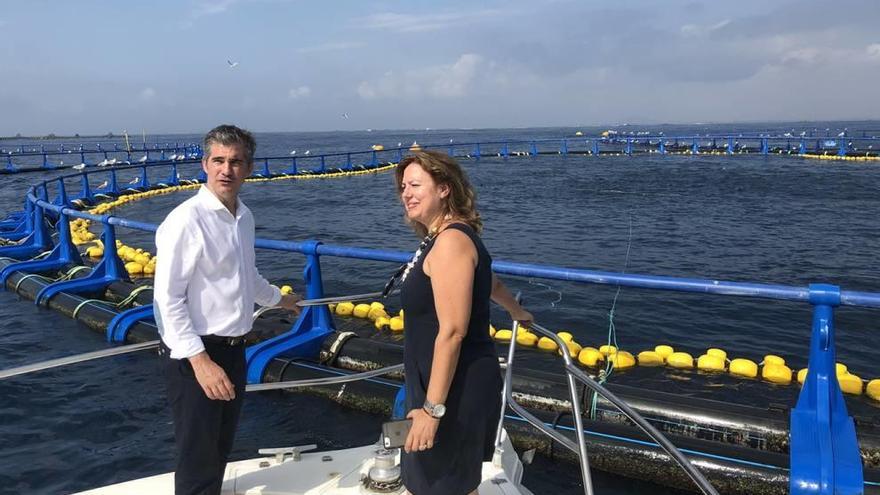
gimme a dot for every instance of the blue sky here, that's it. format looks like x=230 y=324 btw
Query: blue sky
x=161 y=66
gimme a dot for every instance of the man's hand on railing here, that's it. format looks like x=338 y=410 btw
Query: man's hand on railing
x=288 y=302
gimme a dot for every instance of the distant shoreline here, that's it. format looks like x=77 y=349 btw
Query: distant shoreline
x=50 y=137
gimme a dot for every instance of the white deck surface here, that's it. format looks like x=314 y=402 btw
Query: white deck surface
x=336 y=472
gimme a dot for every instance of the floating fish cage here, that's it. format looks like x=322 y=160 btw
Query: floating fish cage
x=742 y=449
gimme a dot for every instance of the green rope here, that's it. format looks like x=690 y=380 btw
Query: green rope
x=87 y=301
x=605 y=374
x=133 y=295
x=30 y=275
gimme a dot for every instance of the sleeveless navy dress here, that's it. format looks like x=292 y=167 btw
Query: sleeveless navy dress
x=466 y=434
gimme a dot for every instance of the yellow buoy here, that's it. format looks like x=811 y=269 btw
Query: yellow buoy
x=491 y=330
x=377 y=147
x=332 y=308
x=873 y=389
x=589 y=356
x=396 y=324
x=286 y=289
x=709 y=362
x=841 y=369
x=802 y=375
x=149 y=269
x=567 y=337
x=573 y=349
x=344 y=308
x=527 y=339
x=415 y=147
x=134 y=268
x=382 y=322
x=777 y=373
x=376 y=313
x=607 y=349
x=503 y=335
x=547 y=344
x=680 y=360
x=361 y=310
x=377 y=305
x=94 y=252
x=773 y=359
x=744 y=367
x=622 y=360
x=717 y=352
x=664 y=351
x=850 y=384
x=650 y=358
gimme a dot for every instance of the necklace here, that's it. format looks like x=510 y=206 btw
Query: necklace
x=400 y=275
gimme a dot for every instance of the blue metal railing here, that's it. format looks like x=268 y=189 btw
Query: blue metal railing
x=824 y=450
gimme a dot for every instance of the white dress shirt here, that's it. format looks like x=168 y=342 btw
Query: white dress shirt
x=206 y=279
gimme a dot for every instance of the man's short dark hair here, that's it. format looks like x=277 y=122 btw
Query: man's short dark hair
x=229 y=135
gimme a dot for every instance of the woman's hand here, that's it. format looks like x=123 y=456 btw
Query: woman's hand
x=421 y=434
x=522 y=316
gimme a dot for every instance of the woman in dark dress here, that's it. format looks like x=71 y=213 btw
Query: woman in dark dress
x=453 y=381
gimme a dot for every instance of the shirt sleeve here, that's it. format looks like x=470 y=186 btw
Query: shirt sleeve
x=178 y=249
x=265 y=294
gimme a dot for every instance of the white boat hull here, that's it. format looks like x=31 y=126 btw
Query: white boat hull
x=338 y=472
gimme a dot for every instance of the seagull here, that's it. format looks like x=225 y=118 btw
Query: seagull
x=307 y=152
x=143 y=159
x=104 y=162
x=399 y=145
x=232 y=64
x=79 y=167
x=293 y=152
x=344 y=115
x=103 y=185
x=842 y=134
x=135 y=180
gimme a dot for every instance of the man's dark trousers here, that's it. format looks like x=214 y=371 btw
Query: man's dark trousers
x=204 y=429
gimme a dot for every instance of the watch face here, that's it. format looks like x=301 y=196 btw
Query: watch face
x=439 y=410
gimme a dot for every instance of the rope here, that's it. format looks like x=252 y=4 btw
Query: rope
x=133 y=295
x=605 y=374
x=73 y=271
x=29 y=275
x=86 y=302
x=336 y=346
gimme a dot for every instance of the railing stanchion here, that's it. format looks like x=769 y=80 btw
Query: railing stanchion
x=825 y=456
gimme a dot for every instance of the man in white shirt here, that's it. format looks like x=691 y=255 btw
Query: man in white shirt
x=205 y=287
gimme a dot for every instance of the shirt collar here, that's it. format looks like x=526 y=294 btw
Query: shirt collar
x=207 y=198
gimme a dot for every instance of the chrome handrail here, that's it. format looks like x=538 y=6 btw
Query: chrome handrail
x=574 y=374
x=314 y=382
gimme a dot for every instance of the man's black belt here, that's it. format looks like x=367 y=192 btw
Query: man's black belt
x=220 y=340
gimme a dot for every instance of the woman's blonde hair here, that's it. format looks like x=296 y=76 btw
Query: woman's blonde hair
x=461 y=201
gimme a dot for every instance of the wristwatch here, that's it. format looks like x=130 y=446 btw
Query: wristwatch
x=436 y=411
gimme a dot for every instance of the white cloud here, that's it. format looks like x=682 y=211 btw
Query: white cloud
x=803 y=56
x=330 y=47
x=692 y=30
x=409 y=23
x=147 y=94
x=212 y=7
x=440 y=81
x=873 y=51
x=299 y=92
